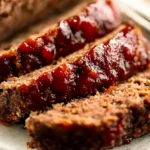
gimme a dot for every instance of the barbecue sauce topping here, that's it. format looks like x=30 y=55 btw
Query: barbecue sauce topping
x=95 y=21
x=102 y=66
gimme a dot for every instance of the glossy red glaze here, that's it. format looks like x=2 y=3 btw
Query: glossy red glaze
x=101 y=67
x=69 y=35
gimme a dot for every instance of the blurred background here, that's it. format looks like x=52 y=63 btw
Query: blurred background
x=138 y=10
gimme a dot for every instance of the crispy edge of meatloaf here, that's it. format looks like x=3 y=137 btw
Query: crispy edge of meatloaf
x=12 y=106
x=16 y=15
x=102 y=121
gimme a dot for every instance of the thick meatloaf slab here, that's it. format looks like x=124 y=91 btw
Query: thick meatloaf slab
x=94 y=21
x=113 y=59
x=97 y=122
x=15 y=15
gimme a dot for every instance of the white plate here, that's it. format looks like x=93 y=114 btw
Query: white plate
x=13 y=138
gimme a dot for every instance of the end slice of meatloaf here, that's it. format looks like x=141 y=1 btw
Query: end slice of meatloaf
x=69 y=35
x=97 y=122
x=113 y=59
x=16 y=15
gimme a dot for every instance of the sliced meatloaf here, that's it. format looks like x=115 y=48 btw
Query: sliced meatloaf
x=97 y=122
x=113 y=59
x=15 y=15
x=94 y=21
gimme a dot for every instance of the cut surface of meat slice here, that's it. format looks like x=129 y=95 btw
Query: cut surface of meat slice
x=99 y=122
x=69 y=35
x=113 y=59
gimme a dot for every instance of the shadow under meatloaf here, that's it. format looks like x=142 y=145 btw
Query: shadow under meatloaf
x=16 y=15
x=97 y=122
x=113 y=59
x=94 y=21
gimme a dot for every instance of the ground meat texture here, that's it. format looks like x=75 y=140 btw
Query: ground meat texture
x=67 y=36
x=102 y=121
x=120 y=55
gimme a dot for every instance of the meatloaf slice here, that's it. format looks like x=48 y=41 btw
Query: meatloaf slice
x=15 y=15
x=94 y=21
x=97 y=122
x=120 y=55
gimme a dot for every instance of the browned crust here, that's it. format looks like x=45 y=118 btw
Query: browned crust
x=92 y=123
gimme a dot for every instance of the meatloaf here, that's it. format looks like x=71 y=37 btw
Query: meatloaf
x=15 y=15
x=111 y=60
x=97 y=122
x=94 y=21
